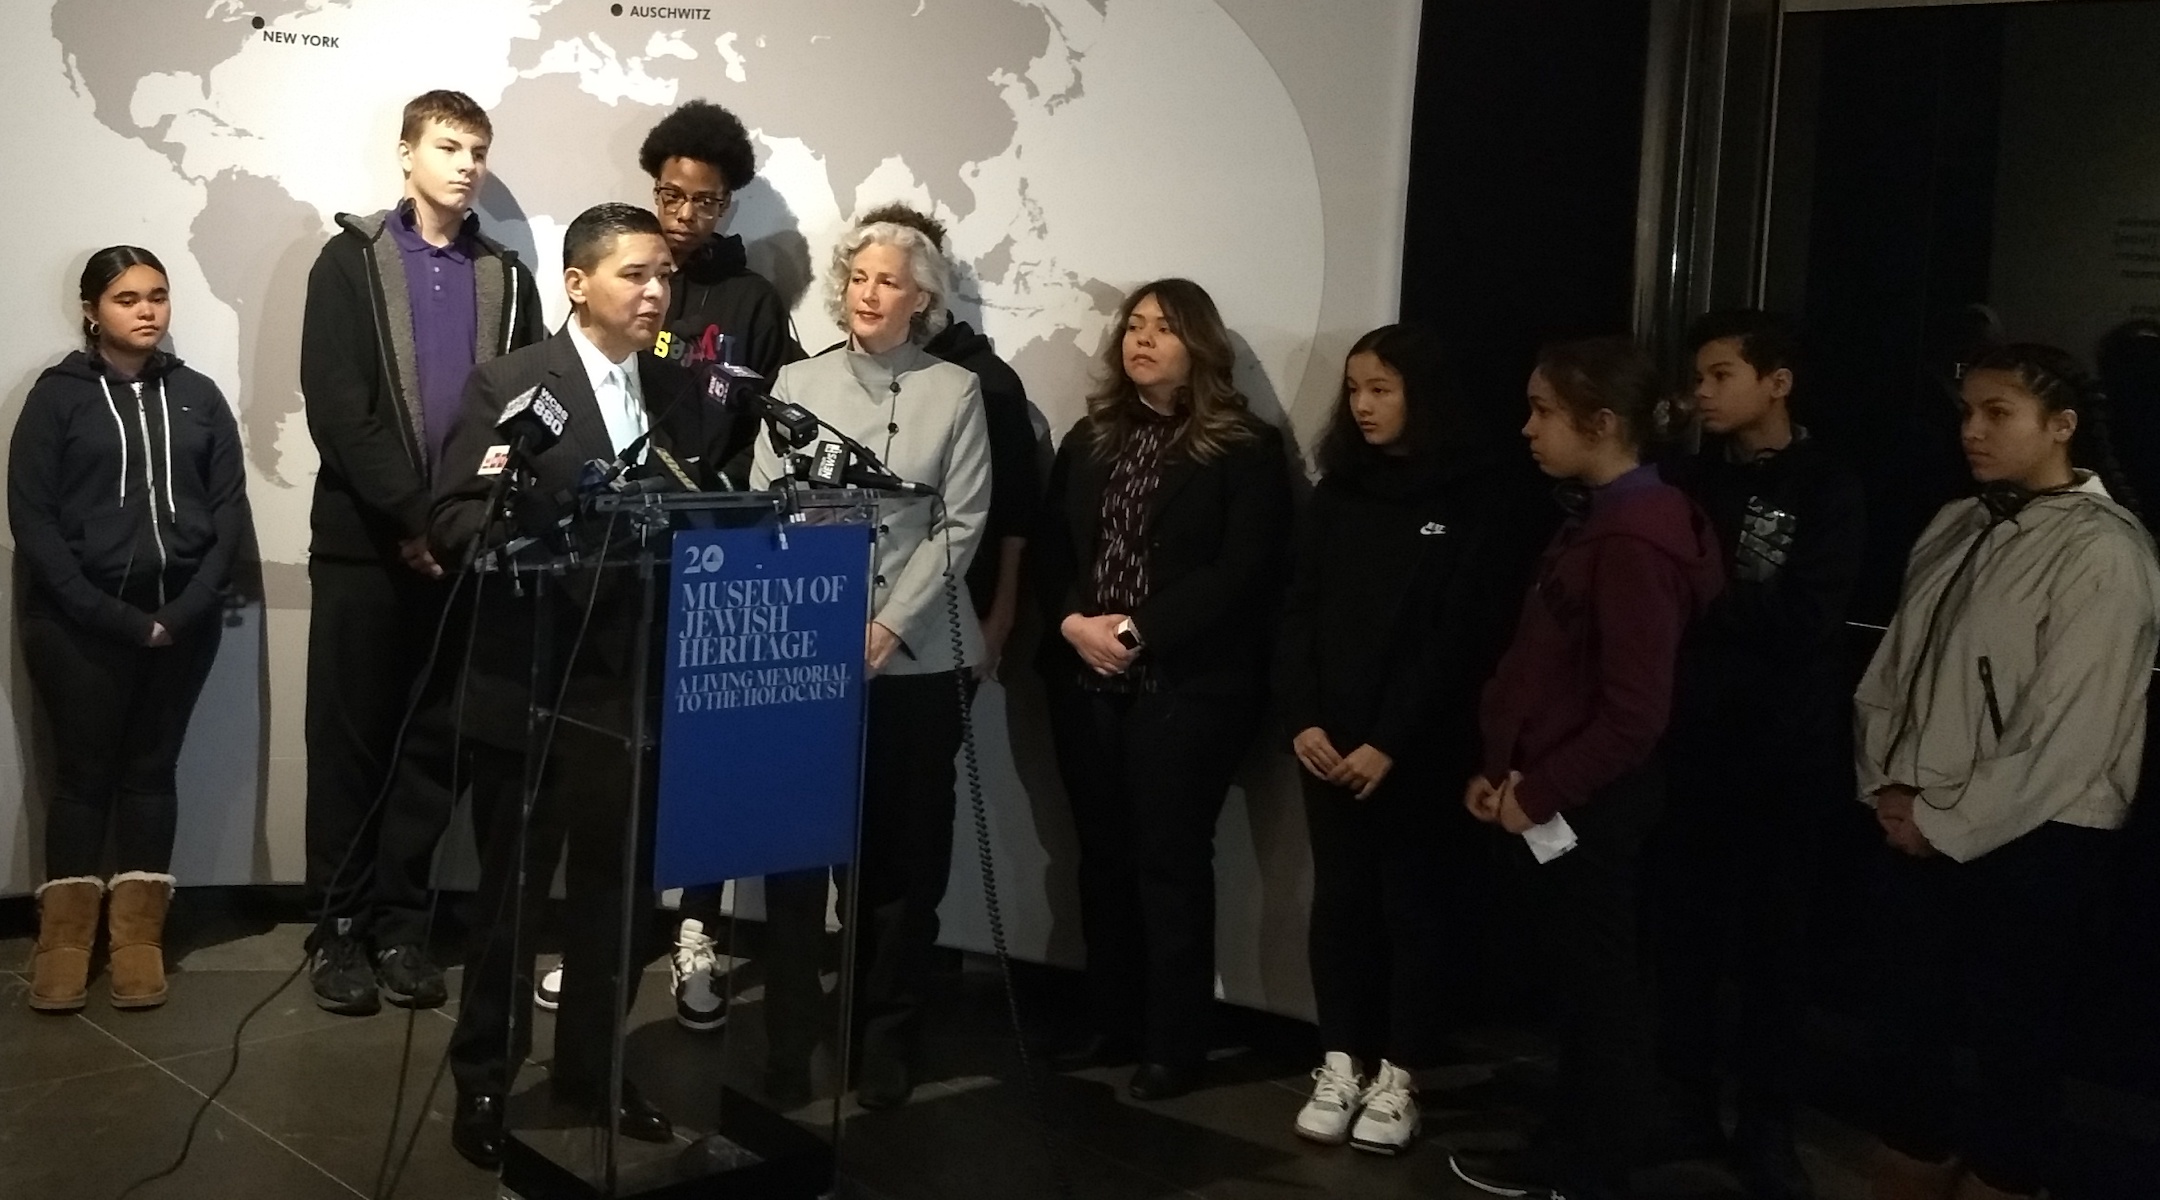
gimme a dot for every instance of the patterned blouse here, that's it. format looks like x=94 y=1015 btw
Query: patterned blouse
x=1120 y=575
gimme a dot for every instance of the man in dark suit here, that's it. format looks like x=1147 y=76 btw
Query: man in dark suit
x=622 y=404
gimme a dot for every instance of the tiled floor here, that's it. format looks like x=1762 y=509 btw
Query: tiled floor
x=91 y=1102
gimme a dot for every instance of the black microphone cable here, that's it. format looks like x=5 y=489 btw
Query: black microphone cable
x=512 y=898
x=427 y=937
x=397 y=745
x=337 y=876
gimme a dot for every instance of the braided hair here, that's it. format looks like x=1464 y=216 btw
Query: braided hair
x=2062 y=384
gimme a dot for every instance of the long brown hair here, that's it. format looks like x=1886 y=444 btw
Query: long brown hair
x=1211 y=407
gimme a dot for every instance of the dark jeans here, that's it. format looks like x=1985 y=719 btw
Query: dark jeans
x=1731 y=865
x=1146 y=775
x=1380 y=910
x=912 y=731
x=582 y=806
x=1586 y=928
x=1981 y=954
x=118 y=714
x=368 y=637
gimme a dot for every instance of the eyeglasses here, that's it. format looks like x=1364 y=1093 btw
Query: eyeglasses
x=704 y=204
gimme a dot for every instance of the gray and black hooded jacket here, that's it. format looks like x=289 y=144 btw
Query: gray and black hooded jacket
x=359 y=382
x=2010 y=688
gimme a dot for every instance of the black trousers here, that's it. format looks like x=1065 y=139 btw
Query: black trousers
x=582 y=806
x=1731 y=866
x=913 y=730
x=118 y=714
x=1380 y=911
x=1586 y=932
x=1981 y=953
x=368 y=637
x=1146 y=775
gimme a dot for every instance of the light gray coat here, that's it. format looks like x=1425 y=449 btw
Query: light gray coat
x=924 y=417
x=2030 y=701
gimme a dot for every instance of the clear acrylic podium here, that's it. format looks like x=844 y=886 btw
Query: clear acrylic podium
x=729 y=785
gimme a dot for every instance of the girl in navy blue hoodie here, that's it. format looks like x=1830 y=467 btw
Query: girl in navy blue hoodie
x=127 y=502
x=1571 y=722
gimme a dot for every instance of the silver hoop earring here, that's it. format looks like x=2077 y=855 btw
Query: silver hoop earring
x=93 y=329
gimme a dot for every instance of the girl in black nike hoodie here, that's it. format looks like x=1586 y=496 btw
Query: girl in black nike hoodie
x=1413 y=548
x=127 y=502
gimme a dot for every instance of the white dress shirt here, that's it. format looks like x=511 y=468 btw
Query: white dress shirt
x=615 y=385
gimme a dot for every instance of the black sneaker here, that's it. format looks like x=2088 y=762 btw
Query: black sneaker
x=410 y=979
x=1534 y=1174
x=344 y=983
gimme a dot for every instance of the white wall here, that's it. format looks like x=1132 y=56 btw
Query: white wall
x=1075 y=147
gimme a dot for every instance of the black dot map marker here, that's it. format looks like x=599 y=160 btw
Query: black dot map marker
x=257 y=22
x=615 y=9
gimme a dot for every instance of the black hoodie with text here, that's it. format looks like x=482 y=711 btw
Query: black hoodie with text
x=730 y=313
x=126 y=496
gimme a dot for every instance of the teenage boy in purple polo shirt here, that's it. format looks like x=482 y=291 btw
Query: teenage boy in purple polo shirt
x=400 y=306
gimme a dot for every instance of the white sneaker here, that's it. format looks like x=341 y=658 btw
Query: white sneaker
x=700 y=1004
x=547 y=994
x=1327 y=1116
x=1389 y=1122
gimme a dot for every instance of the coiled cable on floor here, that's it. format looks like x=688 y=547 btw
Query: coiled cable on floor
x=1031 y=1081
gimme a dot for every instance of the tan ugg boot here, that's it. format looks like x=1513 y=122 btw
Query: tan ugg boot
x=67 y=925
x=1970 y=1188
x=136 y=922
x=1896 y=1177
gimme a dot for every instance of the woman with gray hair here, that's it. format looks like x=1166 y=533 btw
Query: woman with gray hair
x=924 y=419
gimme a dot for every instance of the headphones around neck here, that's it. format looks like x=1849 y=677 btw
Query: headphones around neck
x=2004 y=499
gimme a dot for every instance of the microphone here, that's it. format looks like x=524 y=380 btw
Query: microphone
x=741 y=390
x=533 y=421
x=835 y=464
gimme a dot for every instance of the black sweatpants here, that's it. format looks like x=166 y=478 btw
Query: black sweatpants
x=1586 y=932
x=1731 y=865
x=1380 y=914
x=1981 y=954
x=118 y=714
x=912 y=731
x=582 y=806
x=1146 y=775
x=368 y=637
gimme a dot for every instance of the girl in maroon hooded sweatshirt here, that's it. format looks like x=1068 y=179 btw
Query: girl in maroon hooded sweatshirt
x=1571 y=723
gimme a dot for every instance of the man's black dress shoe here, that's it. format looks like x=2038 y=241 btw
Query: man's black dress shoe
x=638 y=1118
x=1160 y=1081
x=1095 y=1050
x=883 y=1083
x=476 y=1130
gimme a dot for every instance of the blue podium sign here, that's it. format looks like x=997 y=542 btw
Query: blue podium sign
x=761 y=720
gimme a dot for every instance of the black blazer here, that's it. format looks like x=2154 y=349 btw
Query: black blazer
x=500 y=681
x=1217 y=536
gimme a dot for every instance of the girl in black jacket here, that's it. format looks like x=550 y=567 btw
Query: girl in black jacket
x=1157 y=562
x=1392 y=607
x=127 y=501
